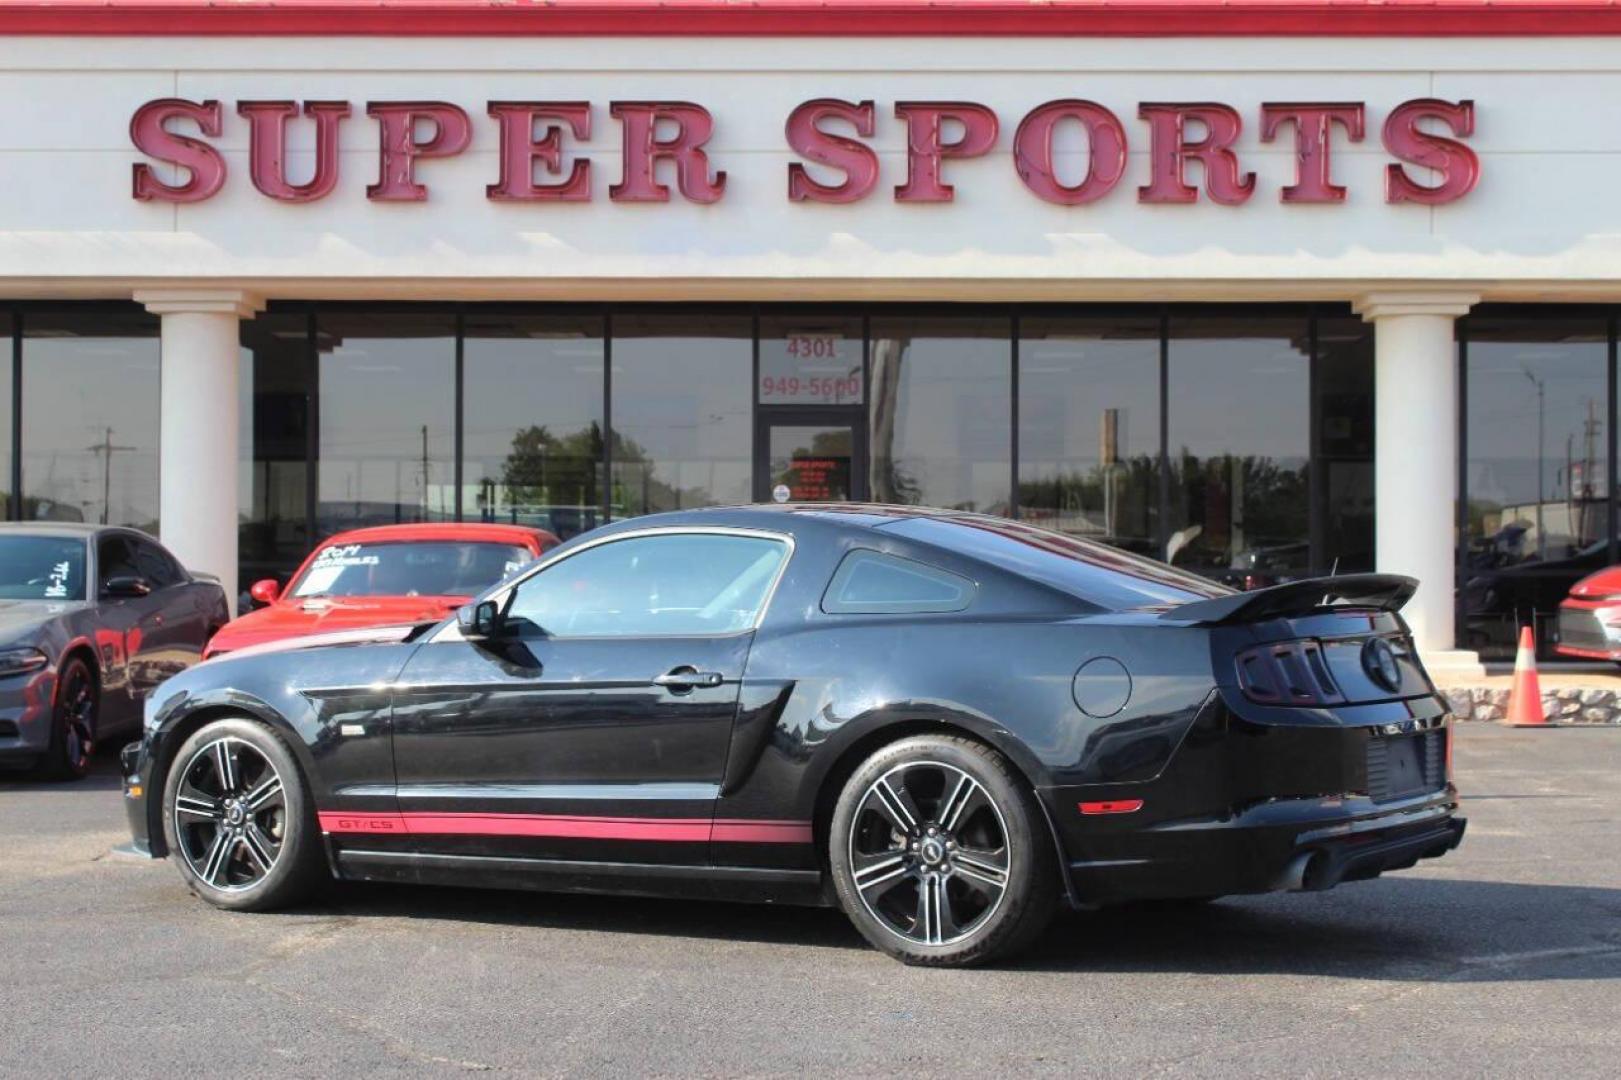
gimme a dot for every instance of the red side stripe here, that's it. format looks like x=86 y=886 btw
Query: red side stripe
x=675 y=830
x=761 y=832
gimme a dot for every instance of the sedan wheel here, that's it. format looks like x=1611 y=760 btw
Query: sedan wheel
x=237 y=815
x=73 y=722
x=939 y=854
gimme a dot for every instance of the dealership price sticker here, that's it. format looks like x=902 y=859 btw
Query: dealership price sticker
x=329 y=565
x=56 y=587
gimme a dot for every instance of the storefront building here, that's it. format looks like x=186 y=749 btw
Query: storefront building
x=1265 y=290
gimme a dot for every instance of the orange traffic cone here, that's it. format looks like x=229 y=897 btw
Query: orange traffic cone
x=1525 y=699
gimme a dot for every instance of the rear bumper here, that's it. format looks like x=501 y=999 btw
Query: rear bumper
x=1283 y=844
x=1336 y=863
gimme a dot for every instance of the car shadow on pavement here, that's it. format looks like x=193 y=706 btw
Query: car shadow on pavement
x=1397 y=929
x=104 y=776
x=594 y=913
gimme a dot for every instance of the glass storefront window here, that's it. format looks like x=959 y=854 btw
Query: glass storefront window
x=277 y=389
x=90 y=425
x=811 y=360
x=1342 y=479
x=682 y=416
x=942 y=396
x=1089 y=428
x=1538 y=487
x=532 y=421
x=7 y=431
x=387 y=418
x=813 y=463
x=1239 y=435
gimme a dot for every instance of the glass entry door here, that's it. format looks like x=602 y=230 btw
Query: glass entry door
x=810 y=455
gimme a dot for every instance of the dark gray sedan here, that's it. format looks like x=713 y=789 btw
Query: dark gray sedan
x=91 y=619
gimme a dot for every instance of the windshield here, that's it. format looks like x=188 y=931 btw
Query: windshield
x=41 y=568
x=408 y=568
x=1108 y=577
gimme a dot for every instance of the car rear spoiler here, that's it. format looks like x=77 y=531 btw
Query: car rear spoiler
x=1384 y=592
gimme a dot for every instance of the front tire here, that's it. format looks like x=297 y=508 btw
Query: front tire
x=239 y=819
x=940 y=855
x=74 y=711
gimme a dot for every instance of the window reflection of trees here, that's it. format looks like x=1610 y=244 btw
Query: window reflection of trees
x=533 y=419
x=682 y=411
x=1089 y=427
x=1239 y=418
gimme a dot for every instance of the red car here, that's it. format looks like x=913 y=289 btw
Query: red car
x=388 y=576
x=1590 y=617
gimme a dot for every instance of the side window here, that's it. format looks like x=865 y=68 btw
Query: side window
x=113 y=557
x=689 y=584
x=155 y=565
x=872 y=583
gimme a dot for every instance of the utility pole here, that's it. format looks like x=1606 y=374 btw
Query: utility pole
x=1541 y=386
x=424 y=471
x=105 y=450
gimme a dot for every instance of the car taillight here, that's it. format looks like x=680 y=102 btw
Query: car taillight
x=1287 y=673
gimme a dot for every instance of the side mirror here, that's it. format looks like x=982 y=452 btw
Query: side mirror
x=478 y=622
x=265 y=592
x=126 y=586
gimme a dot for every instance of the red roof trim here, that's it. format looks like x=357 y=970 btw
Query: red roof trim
x=829 y=18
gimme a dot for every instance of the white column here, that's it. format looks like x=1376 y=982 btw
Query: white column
x=199 y=424
x=1416 y=459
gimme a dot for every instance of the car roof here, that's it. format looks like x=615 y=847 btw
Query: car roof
x=1076 y=566
x=784 y=517
x=476 y=531
x=79 y=529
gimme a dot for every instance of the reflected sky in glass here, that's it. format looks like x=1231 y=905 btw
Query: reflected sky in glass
x=90 y=429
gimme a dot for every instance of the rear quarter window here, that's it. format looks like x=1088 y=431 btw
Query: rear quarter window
x=1103 y=576
x=872 y=583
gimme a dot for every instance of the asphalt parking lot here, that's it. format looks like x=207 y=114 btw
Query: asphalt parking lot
x=1504 y=958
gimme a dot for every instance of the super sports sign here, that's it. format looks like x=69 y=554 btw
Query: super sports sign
x=545 y=149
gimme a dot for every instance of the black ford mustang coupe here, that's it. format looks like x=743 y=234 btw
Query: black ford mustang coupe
x=944 y=723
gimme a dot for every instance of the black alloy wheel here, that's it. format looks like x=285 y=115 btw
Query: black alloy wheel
x=236 y=814
x=939 y=853
x=230 y=814
x=73 y=722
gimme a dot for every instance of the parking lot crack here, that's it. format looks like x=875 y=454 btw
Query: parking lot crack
x=358 y=1024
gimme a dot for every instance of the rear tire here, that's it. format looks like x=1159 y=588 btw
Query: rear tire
x=75 y=708
x=239 y=819
x=940 y=854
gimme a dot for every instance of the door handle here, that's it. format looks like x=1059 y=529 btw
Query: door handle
x=682 y=679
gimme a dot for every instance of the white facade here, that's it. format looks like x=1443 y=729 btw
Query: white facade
x=1540 y=225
